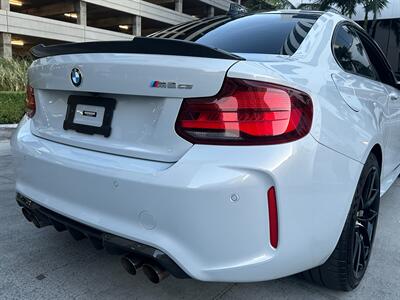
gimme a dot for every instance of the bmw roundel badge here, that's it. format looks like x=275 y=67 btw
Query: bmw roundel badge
x=76 y=77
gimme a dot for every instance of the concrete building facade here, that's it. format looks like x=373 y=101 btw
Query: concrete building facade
x=25 y=23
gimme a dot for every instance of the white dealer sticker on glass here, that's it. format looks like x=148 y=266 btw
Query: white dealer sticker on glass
x=89 y=115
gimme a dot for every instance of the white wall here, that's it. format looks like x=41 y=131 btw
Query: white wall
x=392 y=11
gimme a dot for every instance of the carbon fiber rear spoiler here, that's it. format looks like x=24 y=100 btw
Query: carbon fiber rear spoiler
x=139 y=45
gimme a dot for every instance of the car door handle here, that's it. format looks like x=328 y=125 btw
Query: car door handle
x=394 y=97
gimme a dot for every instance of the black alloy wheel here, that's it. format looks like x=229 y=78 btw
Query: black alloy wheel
x=346 y=266
x=366 y=222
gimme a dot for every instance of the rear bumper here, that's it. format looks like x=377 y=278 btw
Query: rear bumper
x=185 y=209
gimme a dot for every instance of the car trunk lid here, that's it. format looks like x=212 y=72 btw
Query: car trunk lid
x=148 y=90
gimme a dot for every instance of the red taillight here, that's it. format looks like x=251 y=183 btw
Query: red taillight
x=246 y=112
x=273 y=217
x=30 y=103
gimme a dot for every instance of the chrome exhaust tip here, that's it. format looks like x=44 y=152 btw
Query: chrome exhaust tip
x=155 y=273
x=131 y=263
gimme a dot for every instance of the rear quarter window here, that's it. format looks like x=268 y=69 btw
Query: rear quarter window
x=273 y=33
x=351 y=54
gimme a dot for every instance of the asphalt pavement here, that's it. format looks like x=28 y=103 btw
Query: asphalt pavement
x=45 y=264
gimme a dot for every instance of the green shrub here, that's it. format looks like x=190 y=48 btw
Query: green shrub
x=12 y=106
x=13 y=74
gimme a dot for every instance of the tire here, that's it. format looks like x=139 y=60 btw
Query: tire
x=346 y=266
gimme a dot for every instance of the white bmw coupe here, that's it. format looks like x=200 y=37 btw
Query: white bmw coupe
x=236 y=148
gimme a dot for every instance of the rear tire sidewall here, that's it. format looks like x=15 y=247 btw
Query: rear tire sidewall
x=371 y=162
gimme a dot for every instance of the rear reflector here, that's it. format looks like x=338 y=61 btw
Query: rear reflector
x=273 y=217
x=30 y=103
x=246 y=112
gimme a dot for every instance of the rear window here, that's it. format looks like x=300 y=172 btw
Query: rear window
x=266 y=33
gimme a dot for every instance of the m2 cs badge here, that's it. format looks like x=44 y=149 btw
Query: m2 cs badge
x=170 y=85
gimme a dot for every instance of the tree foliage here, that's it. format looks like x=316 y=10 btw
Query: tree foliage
x=348 y=7
x=374 y=6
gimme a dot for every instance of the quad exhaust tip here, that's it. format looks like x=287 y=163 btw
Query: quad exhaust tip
x=132 y=263
x=154 y=273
